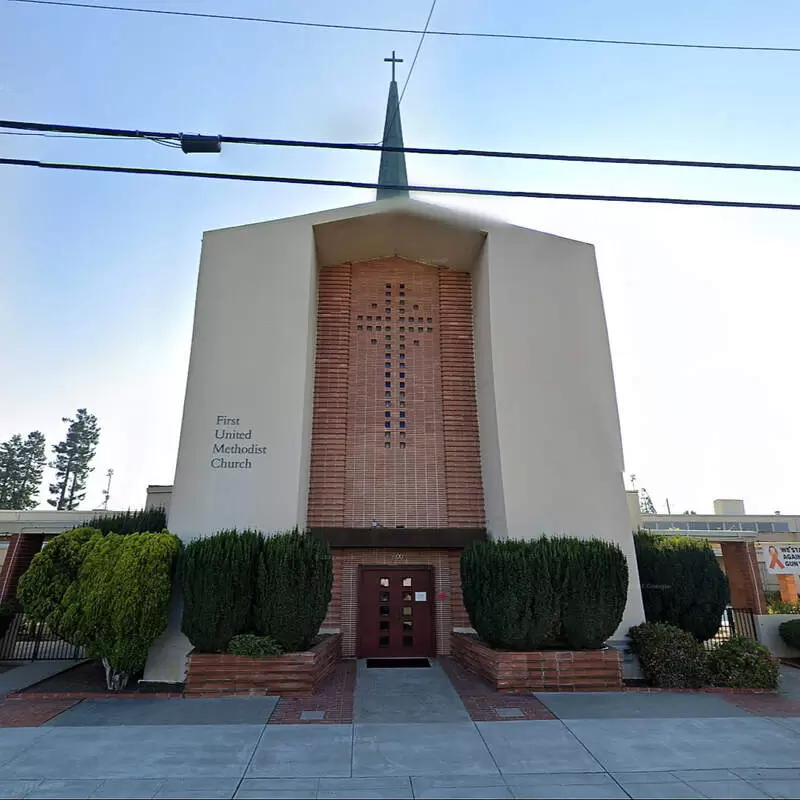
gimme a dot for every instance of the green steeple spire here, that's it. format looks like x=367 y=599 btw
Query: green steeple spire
x=393 y=164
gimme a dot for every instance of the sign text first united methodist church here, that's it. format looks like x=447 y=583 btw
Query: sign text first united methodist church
x=228 y=434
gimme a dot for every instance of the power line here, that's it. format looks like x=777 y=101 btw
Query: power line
x=367 y=185
x=378 y=29
x=122 y=133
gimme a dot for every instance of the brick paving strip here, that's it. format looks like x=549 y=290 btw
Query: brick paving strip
x=765 y=704
x=22 y=712
x=332 y=703
x=484 y=704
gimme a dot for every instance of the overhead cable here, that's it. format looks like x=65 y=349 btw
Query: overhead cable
x=414 y=31
x=369 y=185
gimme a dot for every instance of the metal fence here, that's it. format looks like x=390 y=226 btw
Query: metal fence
x=26 y=640
x=735 y=622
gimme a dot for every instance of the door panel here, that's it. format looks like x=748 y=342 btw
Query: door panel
x=395 y=612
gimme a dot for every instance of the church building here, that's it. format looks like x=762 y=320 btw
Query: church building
x=401 y=379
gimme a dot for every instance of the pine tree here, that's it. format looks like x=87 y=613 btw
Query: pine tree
x=73 y=459
x=9 y=468
x=21 y=466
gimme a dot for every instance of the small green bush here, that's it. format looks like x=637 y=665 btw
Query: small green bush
x=670 y=658
x=741 y=663
x=125 y=522
x=248 y=644
x=790 y=632
x=218 y=580
x=293 y=589
x=682 y=583
x=777 y=606
x=545 y=593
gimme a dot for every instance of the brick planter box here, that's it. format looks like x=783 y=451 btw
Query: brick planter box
x=289 y=675
x=541 y=670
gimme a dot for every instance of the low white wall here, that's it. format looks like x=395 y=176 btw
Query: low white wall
x=767 y=629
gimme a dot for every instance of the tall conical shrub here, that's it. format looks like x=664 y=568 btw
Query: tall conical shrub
x=682 y=583
x=508 y=594
x=218 y=579
x=294 y=582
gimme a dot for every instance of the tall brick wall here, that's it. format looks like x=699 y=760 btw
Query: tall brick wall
x=22 y=547
x=395 y=431
x=465 y=506
x=744 y=578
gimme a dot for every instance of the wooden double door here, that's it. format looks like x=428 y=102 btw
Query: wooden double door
x=395 y=612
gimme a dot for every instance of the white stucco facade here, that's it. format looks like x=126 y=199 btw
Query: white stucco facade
x=549 y=427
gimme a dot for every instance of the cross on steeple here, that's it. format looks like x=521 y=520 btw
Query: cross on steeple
x=393 y=61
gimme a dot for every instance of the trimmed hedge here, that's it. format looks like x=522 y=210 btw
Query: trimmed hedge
x=125 y=522
x=670 y=658
x=293 y=589
x=218 y=580
x=546 y=593
x=682 y=583
x=741 y=663
x=248 y=644
x=790 y=632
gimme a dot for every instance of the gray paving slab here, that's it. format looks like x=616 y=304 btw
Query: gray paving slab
x=162 y=751
x=736 y=789
x=15 y=741
x=609 y=791
x=406 y=695
x=536 y=746
x=207 y=789
x=793 y=723
x=779 y=774
x=633 y=705
x=468 y=793
x=778 y=788
x=267 y=788
x=675 y=790
x=424 y=783
x=25 y=675
x=645 y=777
x=672 y=744
x=402 y=793
x=303 y=751
x=167 y=711
x=75 y=788
x=702 y=775
x=434 y=748
x=789 y=683
x=16 y=789
x=131 y=788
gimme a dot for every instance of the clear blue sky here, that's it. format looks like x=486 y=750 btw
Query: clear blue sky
x=98 y=272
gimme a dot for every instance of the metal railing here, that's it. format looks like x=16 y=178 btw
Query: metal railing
x=735 y=622
x=26 y=640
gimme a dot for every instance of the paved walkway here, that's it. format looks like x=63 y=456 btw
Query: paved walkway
x=605 y=745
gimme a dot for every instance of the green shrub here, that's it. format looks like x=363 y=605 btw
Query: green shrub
x=293 y=589
x=741 y=663
x=218 y=580
x=670 y=658
x=125 y=522
x=682 y=583
x=545 y=593
x=508 y=594
x=790 y=632
x=248 y=644
x=51 y=573
x=110 y=594
x=8 y=610
x=777 y=606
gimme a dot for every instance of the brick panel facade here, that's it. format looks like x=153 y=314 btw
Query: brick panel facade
x=395 y=426
x=744 y=578
x=465 y=507
x=331 y=397
x=22 y=547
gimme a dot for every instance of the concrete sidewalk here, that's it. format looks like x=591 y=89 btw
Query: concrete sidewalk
x=732 y=756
